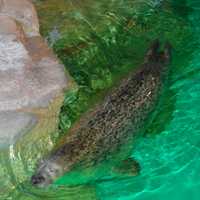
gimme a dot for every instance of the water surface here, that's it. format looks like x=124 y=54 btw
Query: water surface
x=169 y=151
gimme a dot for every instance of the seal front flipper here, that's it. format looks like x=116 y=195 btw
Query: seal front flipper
x=128 y=167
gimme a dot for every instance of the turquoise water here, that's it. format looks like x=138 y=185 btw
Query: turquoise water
x=171 y=159
x=169 y=152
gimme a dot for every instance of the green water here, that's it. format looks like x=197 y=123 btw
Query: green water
x=169 y=151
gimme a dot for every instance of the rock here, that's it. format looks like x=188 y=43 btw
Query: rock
x=32 y=80
x=28 y=84
x=9 y=27
x=24 y=12
x=13 y=125
x=30 y=75
x=13 y=54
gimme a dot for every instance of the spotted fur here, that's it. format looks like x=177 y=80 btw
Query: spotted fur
x=103 y=130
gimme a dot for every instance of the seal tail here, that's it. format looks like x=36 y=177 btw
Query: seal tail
x=155 y=55
x=166 y=53
x=153 y=52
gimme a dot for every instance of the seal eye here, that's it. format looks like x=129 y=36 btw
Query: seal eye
x=37 y=179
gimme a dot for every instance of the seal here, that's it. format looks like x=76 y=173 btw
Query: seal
x=112 y=123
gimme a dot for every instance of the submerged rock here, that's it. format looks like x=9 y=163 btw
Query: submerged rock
x=14 y=124
x=31 y=77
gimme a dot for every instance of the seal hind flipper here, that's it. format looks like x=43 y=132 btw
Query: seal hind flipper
x=153 y=52
x=154 y=55
x=167 y=52
x=165 y=55
x=128 y=167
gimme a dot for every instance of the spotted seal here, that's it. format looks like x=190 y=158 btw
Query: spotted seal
x=106 y=128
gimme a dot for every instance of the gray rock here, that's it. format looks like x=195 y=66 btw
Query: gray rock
x=13 y=55
x=31 y=87
x=30 y=75
x=32 y=81
x=13 y=125
x=24 y=12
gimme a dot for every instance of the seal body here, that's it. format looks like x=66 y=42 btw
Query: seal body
x=112 y=123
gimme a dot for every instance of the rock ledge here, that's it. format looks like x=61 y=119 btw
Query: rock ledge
x=32 y=80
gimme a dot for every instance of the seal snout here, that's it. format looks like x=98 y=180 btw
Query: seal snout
x=46 y=173
x=37 y=179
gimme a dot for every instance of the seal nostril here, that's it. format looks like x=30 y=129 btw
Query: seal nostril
x=37 y=179
x=34 y=180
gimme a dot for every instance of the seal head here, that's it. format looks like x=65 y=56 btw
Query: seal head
x=47 y=172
